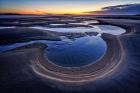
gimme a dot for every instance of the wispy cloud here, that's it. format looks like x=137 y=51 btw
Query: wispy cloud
x=129 y=9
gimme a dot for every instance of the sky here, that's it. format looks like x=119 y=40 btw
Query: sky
x=58 y=6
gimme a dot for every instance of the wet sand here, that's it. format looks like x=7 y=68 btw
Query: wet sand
x=118 y=71
x=25 y=34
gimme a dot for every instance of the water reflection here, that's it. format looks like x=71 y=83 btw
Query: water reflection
x=81 y=51
x=114 y=30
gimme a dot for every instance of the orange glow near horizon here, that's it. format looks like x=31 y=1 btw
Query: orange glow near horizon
x=57 y=6
x=41 y=12
x=54 y=10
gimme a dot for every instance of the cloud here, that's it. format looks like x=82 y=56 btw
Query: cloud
x=129 y=9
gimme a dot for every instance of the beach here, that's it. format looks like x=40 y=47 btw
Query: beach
x=26 y=67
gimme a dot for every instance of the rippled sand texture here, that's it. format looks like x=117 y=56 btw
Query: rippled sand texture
x=118 y=71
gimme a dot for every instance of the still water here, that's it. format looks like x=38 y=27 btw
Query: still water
x=78 y=52
x=110 y=29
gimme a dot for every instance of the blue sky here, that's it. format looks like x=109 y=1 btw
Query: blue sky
x=58 y=6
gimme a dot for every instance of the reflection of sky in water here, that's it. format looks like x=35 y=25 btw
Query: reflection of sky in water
x=95 y=28
x=79 y=52
x=110 y=29
x=85 y=22
x=7 y=27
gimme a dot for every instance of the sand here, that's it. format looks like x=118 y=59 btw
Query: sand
x=27 y=68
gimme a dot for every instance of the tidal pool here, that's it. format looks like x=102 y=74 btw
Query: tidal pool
x=110 y=29
x=74 y=52
x=69 y=52
x=79 y=52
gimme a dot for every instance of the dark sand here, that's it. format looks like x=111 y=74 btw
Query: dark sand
x=24 y=34
x=25 y=70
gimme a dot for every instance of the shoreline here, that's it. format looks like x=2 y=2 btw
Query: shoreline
x=79 y=75
x=66 y=79
x=76 y=76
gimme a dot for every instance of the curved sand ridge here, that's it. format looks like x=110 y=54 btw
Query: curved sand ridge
x=75 y=75
x=79 y=75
